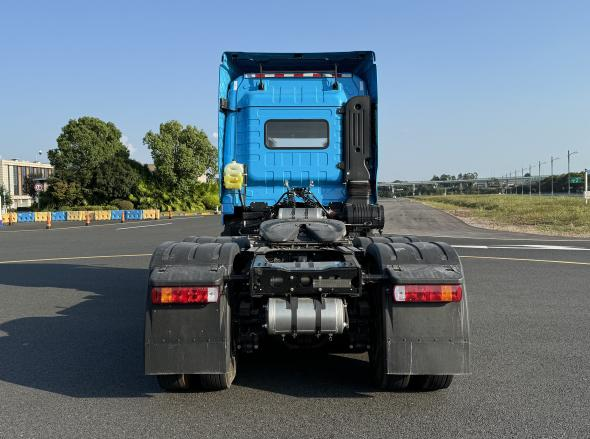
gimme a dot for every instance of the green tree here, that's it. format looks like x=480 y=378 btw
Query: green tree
x=91 y=160
x=29 y=184
x=83 y=146
x=5 y=197
x=62 y=193
x=115 y=179
x=181 y=154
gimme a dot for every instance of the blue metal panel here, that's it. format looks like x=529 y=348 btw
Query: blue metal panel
x=298 y=92
x=269 y=169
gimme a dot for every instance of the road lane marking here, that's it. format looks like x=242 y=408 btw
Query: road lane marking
x=491 y=238
x=147 y=225
x=55 y=229
x=523 y=247
x=549 y=261
x=137 y=255
x=73 y=258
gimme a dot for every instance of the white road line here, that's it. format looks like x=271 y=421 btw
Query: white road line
x=523 y=247
x=73 y=258
x=147 y=225
x=548 y=261
x=489 y=238
x=56 y=229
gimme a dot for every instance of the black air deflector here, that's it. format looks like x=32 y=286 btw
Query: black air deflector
x=358 y=142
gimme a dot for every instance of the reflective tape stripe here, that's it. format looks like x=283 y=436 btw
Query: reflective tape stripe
x=295 y=75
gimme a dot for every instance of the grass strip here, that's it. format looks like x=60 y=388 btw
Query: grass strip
x=567 y=216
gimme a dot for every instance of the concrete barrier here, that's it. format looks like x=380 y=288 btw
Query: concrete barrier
x=116 y=215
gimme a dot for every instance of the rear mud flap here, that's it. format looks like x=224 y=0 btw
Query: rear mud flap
x=191 y=339
x=427 y=338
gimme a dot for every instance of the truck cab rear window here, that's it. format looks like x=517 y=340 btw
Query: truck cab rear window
x=296 y=133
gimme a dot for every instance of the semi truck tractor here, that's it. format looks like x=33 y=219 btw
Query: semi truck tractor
x=302 y=262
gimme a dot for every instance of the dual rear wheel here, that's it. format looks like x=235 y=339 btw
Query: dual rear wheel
x=210 y=381
x=389 y=382
x=385 y=381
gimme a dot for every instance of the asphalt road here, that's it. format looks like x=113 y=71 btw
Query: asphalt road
x=71 y=340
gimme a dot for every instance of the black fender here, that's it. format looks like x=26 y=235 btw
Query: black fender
x=420 y=338
x=193 y=338
x=242 y=241
x=363 y=242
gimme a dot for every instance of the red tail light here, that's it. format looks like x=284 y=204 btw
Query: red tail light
x=163 y=295
x=427 y=293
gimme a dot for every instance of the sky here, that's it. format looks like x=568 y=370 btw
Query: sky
x=464 y=85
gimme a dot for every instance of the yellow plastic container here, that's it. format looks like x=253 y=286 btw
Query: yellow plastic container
x=40 y=216
x=8 y=218
x=233 y=175
x=149 y=214
x=102 y=215
x=76 y=215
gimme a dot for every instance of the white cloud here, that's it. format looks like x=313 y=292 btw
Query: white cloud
x=213 y=137
x=125 y=141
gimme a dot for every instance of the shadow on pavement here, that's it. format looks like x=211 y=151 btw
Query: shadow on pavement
x=306 y=374
x=91 y=349
x=94 y=349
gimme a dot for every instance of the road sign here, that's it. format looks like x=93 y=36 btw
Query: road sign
x=587 y=195
x=575 y=180
x=38 y=187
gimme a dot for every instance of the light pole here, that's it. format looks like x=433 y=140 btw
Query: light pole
x=530 y=180
x=586 y=185
x=552 y=160
x=540 y=175
x=522 y=181
x=569 y=154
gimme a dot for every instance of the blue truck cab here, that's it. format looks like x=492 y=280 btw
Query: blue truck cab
x=303 y=120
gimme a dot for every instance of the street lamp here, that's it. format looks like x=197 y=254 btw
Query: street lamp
x=569 y=154
x=552 y=160
x=544 y=163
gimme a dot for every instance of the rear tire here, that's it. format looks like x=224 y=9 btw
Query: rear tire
x=219 y=381
x=430 y=383
x=174 y=383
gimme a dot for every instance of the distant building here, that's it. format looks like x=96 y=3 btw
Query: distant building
x=13 y=174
